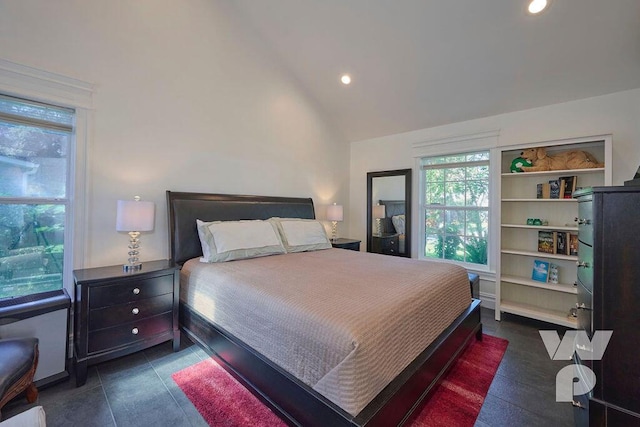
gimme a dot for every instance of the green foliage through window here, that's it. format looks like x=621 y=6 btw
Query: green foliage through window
x=456 y=207
x=35 y=139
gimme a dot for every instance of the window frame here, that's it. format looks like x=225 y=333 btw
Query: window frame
x=423 y=206
x=67 y=261
x=449 y=146
x=30 y=83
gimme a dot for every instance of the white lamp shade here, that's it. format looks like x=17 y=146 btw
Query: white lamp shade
x=335 y=213
x=135 y=215
x=378 y=211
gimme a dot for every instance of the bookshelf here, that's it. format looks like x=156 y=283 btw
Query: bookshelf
x=516 y=292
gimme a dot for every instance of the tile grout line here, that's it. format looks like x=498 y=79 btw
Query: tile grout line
x=167 y=388
x=535 y=414
x=104 y=392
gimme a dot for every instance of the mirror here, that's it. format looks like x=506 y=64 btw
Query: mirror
x=389 y=212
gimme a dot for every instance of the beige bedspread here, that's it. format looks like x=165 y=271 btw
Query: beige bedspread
x=344 y=322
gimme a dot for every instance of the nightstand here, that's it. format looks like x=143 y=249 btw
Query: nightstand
x=385 y=244
x=118 y=313
x=350 y=244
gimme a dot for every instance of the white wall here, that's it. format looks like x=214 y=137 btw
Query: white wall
x=187 y=98
x=617 y=114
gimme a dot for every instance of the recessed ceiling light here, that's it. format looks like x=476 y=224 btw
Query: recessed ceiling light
x=537 y=6
x=345 y=79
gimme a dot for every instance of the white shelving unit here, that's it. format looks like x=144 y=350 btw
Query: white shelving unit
x=516 y=292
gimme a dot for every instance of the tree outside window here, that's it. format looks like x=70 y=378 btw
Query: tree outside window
x=34 y=162
x=456 y=207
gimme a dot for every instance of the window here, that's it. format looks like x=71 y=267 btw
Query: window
x=456 y=207
x=35 y=144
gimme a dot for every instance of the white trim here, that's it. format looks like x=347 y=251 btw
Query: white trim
x=487 y=300
x=80 y=185
x=40 y=85
x=456 y=144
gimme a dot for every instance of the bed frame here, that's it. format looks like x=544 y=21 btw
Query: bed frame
x=295 y=402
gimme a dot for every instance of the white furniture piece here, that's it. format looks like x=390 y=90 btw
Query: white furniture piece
x=34 y=417
x=516 y=292
x=46 y=317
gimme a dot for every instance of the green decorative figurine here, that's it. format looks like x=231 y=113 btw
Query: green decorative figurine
x=518 y=163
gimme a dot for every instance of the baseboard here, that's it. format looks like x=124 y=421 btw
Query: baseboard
x=52 y=380
x=487 y=300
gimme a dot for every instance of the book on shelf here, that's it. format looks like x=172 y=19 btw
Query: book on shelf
x=570 y=183
x=562 y=243
x=540 y=271
x=556 y=189
x=547 y=242
x=573 y=244
x=543 y=191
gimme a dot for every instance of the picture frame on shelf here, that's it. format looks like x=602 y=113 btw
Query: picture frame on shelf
x=540 y=271
x=573 y=244
x=543 y=191
x=562 y=243
x=570 y=183
x=556 y=189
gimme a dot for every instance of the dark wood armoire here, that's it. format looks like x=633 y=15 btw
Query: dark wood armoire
x=609 y=300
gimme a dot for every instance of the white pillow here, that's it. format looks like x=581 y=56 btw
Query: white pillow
x=398 y=223
x=299 y=235
x=206 y=252
x=231 y=240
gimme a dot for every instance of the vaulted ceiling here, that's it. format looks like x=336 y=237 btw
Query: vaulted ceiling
x=422 y=63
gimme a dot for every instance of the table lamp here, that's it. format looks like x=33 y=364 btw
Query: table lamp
x=134 y=216
x=334 y=214
x=378 y=214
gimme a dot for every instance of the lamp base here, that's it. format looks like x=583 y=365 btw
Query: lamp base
x=131 y=268
x=334 y=231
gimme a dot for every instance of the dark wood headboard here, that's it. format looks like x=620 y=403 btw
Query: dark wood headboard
x=184 y=208
x=392 y=208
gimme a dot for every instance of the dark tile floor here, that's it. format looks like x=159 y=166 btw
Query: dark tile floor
x=137 y=390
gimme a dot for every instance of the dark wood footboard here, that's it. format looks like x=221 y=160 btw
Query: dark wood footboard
x=299 y=404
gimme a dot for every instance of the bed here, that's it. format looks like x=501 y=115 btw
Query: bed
x=296 y=398
x=394 y=220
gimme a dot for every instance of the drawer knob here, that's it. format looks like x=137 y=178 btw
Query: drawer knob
x=582 y=221
x=582 y=264
x=582 y=307
x=136 y=291
x=136 y=310
x=134 y=331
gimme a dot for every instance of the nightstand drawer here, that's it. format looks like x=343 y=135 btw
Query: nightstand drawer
x=129 y=290
x=117 y=315
x=385 y=244
x=117 y=336
x=389 y=244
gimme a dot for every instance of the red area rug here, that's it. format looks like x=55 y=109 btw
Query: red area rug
x=222 y=401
